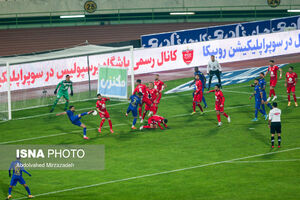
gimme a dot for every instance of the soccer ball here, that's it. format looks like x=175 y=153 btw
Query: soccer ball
x=94 y=113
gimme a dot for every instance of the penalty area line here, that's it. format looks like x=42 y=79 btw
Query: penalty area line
x=264 y=161
x=64 y=133
x=161 y=173
x=53 y=135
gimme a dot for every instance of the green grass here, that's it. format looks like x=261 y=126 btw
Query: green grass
x=190 y=141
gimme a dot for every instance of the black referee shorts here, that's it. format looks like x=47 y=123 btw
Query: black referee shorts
x=275 y=127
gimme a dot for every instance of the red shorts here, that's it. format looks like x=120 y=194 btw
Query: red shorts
x=273 y=82
x=146 y=101
x=219 y=108
x=104 y=115
x=291 y=88
x=152 y=108
x=198 y=97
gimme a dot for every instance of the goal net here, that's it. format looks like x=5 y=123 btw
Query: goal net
x=33 y=79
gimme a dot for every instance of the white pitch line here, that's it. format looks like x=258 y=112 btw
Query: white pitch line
x=161 y=173
x=240 y=92
x=58 y=134
x=53 y=135
x=46 y=114
x=264 y=161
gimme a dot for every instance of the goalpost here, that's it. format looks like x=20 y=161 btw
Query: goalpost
x=28 y=82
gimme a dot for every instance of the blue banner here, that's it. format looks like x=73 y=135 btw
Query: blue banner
x=220 y=32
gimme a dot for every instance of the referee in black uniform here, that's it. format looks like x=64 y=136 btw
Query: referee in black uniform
x=275 y=123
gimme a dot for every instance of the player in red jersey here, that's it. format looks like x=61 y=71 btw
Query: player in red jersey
x=156 y=121
x=273 y=79
x=101 y=108
x=198 y=94
x=219 y=106
x=160 y=86
x=140 y=88
x=290 y=84
x=151 y=101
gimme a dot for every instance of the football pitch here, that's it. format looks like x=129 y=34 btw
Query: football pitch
x=194 y=159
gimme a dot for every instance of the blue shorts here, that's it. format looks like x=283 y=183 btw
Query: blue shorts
x=16 y=179
x=76 y=122
x=133 y=110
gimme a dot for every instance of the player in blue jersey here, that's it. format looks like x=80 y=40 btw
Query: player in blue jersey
x=17 y=176
x=135 y=101
x=75 y=119
x=203 y=80
x=258 y=100
x=262 y=84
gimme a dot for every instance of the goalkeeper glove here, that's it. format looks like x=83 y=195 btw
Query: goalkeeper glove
x=71 y=93
x=55 y=91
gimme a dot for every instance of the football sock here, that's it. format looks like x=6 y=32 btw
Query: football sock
x=203 y=99
x=55 y=102
x=134 y=121
x=263 y=109
x=146 y=126
x=256 y=111
x=102 y=122
x=272 y=140
x=289 y=97
x=110 y=124
x=28 y=190
x=194 y=106
x=225 y=115
x=9 y=190
x=85 y=113
x=272 y=92
x=128 y=110
x=140 y=111
x=219 y=117
x=66 y=105
x=279 y=140
x=295 y=99
x=144 y=114
x=84 y=131
x=200 y=107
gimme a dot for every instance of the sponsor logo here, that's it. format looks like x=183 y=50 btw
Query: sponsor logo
x=188 y=56
x=273 y=3
x=90 y=6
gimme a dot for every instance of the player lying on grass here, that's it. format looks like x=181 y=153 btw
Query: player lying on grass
x=75 y=119
x=135 y=101
x=219 y=105
x=62 y=88
x=258 y=100
x=17 y=176
x=101 y=108
x=155 y=121
x=273 y=79
x=262 y=84
x=150 y=101
x=290 y=84
x=198 y=94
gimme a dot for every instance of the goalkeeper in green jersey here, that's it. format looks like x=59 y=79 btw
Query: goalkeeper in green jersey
x=62 y=88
